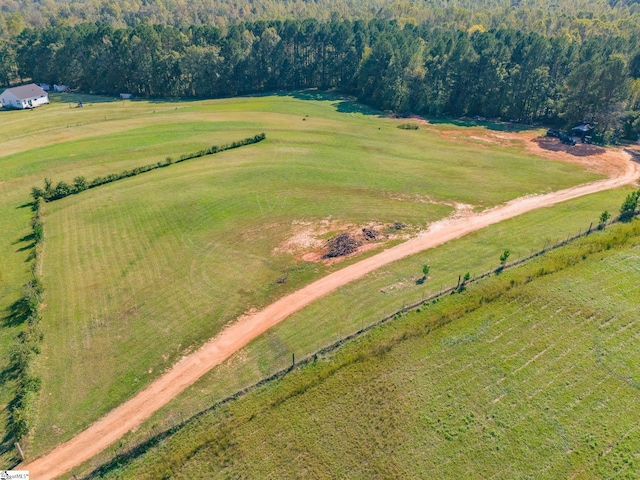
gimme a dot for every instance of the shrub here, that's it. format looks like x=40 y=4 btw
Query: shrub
x=604 y=218
x=409 y=126
x=79 y=184
x=629 y=206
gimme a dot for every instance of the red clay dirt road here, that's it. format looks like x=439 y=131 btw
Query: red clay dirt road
x=189 y=369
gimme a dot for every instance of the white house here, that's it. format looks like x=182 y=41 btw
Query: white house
x=126 y=96
x=25 y=96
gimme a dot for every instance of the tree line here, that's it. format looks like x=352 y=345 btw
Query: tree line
x=499 y=73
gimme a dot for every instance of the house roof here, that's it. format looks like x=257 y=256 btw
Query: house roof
x=25 y=92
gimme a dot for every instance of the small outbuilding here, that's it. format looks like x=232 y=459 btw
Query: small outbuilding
x=126 y=96
x=24 y=97
x=60 y=88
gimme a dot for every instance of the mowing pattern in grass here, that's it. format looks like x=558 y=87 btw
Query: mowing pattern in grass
x=540 y=383
x=367 y=300
x=173 y=259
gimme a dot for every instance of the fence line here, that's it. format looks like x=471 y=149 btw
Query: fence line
x=312 y=357
x=405 y=309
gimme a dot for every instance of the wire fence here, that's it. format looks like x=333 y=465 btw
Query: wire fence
x=312 y=357
x=284 y=366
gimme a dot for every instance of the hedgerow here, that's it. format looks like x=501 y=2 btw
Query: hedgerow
x=63 y=189
x=27 y=344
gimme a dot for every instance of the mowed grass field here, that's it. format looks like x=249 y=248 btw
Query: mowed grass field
x=367 y=300
x=139 y=272
x=541 y=381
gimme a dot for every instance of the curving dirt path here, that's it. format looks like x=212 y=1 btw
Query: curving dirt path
x=189 y=369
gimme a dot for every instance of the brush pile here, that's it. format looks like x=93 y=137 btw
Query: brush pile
x=340 y=246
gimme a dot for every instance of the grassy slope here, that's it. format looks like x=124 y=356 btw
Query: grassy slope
x=540 y=383
x=253 y=194
x=43 y=132
x=364 y=302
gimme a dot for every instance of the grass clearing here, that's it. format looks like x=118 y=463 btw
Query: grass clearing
x=540 y=382
x=363 y=302
x=138 y=272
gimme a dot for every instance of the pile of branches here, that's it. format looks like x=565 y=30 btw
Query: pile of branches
x=369 y=234
x=342 y=245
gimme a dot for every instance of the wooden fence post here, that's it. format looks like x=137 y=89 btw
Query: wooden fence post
x=20 y=452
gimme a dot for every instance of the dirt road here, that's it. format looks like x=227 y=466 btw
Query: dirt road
x=130 y=414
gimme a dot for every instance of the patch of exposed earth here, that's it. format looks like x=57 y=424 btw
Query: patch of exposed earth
x=417 y=198
x=309 y=241
x=609 y=162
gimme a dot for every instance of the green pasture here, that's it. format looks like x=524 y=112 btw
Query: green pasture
x=369 y=299
x=541 y=381
x=139 y=272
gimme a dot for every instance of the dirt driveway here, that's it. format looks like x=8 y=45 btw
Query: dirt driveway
x=189 y=369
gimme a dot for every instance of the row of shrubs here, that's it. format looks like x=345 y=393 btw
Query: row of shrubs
x=27 y=343
x=80 y=184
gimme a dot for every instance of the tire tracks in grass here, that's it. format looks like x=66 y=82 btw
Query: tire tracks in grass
x=189 y=369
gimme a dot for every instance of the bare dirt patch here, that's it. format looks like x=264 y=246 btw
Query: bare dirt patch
x=316 y=242
x=308 y=236
x=610 y=162
x=415 y=119
x=634 y=151
x=417 y=198
x=578 y=150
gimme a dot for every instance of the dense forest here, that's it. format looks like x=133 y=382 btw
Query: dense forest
x=521 y=63
x=544 y=16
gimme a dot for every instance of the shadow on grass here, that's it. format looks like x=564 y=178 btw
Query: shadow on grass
x=85 y=98
x=29 y=246
x=30 y=237
x=30 y=241
x=578 y=150
x=170 y=100
x=7 y=444
x=342 y=103
x=488 y=124
x=16 y=313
